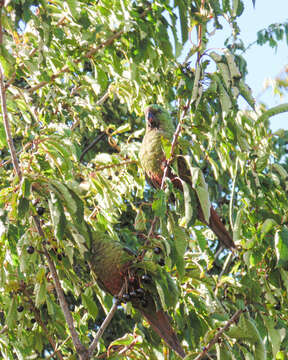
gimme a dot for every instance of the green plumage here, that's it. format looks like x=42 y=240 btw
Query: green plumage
x=153 y=160
x=114 y=265
x=152 y=156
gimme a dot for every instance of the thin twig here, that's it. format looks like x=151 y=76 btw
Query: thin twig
x=105 y=323
x=219 y=334
x=4 y=109
x=64 y=342
x=4 y=329
x=232 y=196
x=81 y=350
x=92 y=144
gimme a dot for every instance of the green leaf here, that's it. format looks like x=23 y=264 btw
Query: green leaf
x=7 y=61
x=89 y=303
x=60 y=156
x=237 y=226
x=140 y=220
x=280 y=169
x=190 y=209
x=72 y=4
x=57 y=216
x=161 y=294
x=200 y=186
x=182 y=6
x=281 y=247
x=12 y=314
x=246 y=92
x=268 y=225
x=274 y=335
x=3 y=141
x=159 y=203
x=68 y=200
x=25 y=187
x=23 y=207
x=40 y=293
x=127 y=339
x=50 y=306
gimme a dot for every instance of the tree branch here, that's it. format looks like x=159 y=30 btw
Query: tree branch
x=80 y=348
x=105 y=323
x=4 y=109
x=219 y=334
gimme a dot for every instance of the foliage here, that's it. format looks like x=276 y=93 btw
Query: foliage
x=78 y=69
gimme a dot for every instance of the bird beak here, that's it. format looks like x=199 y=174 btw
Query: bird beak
x=149 y=117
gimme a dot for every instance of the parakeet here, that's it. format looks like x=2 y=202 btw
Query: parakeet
x=159 y=125
x=114 y=266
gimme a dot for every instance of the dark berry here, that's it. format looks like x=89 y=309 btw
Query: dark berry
x=140 y=293
x=71 y=307
x=33 y=321
x=144 y=303
x=133 y=294
x=157 y=250
x=59 y=257
x=30 y=249
x=161 y=262
x=20 y=308
x=40 y=210
x=146 y=279
x=126 y=297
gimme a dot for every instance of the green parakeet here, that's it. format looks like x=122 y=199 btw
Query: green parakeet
x=159 y=126
x=115 y=265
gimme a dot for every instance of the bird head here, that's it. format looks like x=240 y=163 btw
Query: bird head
x=158 y=118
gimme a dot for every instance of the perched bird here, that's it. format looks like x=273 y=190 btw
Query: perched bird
x=115 y=266
x=159 y=125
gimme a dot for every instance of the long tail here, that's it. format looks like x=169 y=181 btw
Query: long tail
x=219 y=229
x=160 y=323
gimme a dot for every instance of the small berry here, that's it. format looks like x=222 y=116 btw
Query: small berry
x=59 y=257
x=33 y=321
x=126 y=297
x=40 y=210
x=20 y=308
x=30 y=249
x=133 y=294
x=157 y=250
x=161 y=262
x=140 y=293
x=146 y=279
x=71 y=307
x=144 y=303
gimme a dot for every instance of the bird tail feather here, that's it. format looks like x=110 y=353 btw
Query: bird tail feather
x=160 y=323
